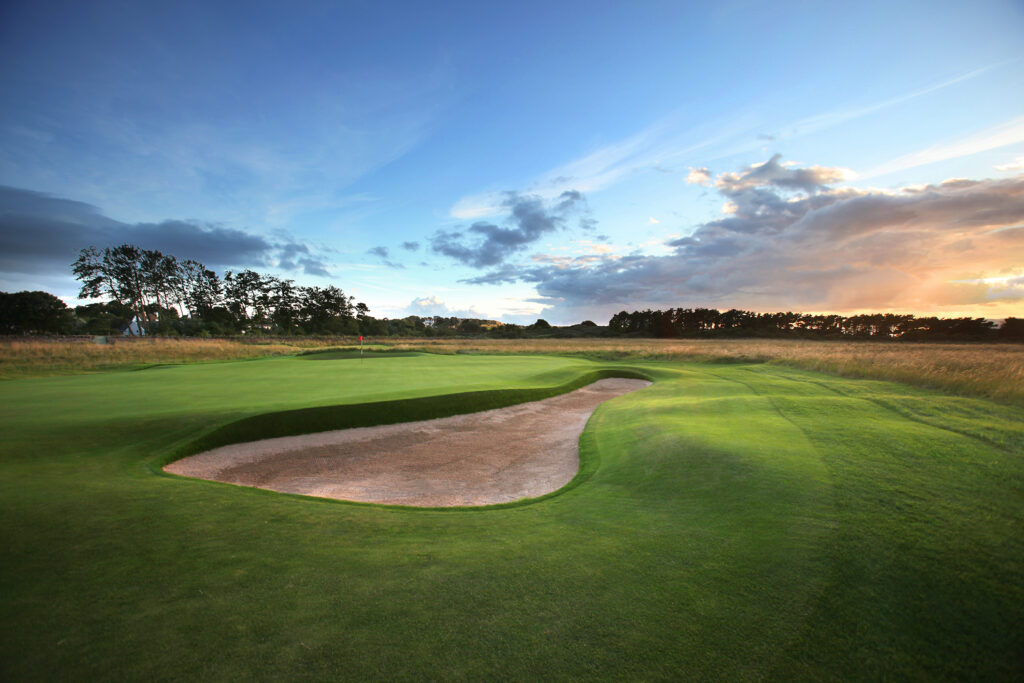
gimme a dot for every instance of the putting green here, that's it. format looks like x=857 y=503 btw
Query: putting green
x=729 y=521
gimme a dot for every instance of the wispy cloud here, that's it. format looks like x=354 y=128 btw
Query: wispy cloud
x=1007 y=133
x=265 y=169
x=654 y=147
x=670 y=141
x=827 y=120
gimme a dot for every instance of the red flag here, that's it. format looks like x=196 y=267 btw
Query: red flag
x=360 y=337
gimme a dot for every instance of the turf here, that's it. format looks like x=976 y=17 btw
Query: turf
x=730 y=521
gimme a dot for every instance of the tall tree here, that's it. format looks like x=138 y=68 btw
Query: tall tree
x=201 y=288
x=285 y=300
x=117 y=273
x=97 y=281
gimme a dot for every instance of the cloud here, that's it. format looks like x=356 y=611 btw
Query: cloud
x=1007 y=133
x=1015 y=165
x=486 y=244
x=699 y=176
x=774 y=173
x=428 y=306
x=833 y=118
x=385 y=257
x=796 y=242
x=42 y=233
x=411 y=246
x=293 y=256
x=669 y=141
x=653 y=148
x=653 y=221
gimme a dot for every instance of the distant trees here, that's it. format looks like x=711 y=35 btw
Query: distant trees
x=172 y=296
x=709 y=322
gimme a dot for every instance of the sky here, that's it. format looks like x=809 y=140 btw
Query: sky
x=564 y=160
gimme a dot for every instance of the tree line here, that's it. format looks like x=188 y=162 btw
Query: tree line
x=710 y=322
x=163 y=295
x=167 y=295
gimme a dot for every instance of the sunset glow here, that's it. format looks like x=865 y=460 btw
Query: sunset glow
x=556 y=160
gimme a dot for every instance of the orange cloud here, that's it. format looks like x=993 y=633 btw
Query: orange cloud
x=792 y=241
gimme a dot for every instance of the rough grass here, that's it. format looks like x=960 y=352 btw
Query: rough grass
x=22 y=358
x=739 y=522
x=986 y=370
x=993 y=371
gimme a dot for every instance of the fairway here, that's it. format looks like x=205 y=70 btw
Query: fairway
x=737 y=521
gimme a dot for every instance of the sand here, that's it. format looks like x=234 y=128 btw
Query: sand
x=494 y=456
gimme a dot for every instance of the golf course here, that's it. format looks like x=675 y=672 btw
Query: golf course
x=733 y=520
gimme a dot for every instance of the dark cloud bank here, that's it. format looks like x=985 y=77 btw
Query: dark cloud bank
x=40 y=233
x=791 y=240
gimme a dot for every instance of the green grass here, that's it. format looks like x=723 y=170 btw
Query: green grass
x=733 y=521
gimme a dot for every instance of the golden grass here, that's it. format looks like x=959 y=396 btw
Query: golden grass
x=985 y=370
x=39 y=358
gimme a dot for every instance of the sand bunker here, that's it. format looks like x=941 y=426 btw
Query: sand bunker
x=495 y=456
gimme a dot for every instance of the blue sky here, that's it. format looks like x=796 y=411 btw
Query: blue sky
x=565 y=160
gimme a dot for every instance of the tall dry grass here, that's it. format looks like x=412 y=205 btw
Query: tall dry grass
x=21 y=358
x=986 y=370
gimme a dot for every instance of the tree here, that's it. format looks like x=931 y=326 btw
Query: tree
x=286 y=300
x=201 y=289
x=103 y=318
x=97 y=281
x=321 y=305
x=34 y=313
x=118 y=273
x=1012 y=329
x=156 y=286
x=248 y=296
